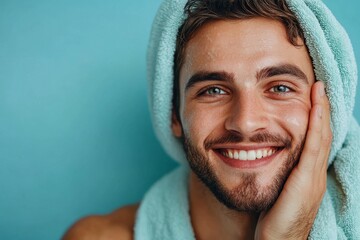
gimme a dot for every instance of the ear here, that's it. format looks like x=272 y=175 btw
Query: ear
x=175 y=125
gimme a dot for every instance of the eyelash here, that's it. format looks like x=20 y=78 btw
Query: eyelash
x=288 y=89
x=206 y=91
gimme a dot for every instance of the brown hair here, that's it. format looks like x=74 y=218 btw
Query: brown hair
x=200 y=12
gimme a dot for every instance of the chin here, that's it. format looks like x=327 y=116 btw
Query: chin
x=253 y=191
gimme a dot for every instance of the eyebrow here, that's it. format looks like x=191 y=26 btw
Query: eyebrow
x=283 y=69
x=209 y=76
x=272 y=71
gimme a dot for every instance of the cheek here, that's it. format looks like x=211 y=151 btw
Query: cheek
x=194 y=124
x=199 y=124
x=294 y=120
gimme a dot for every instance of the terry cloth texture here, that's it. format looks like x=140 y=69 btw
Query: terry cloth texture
x=164 y=211
x=334 y=64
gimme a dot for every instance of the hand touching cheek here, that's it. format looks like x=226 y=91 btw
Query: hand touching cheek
x=294 y=212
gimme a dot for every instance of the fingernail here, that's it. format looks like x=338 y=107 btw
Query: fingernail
x=322 y=91
x=319 y=111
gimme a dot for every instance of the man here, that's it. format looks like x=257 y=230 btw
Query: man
x=247 y=106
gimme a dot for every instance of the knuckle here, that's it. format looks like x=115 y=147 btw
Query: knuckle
x=327 y=103
x=314 y=150
x=327 y=139
x=317 y=129
x=328 y=106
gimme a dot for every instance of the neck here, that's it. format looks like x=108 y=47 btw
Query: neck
x=212 y=220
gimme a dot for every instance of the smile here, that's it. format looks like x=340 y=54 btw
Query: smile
x=248 y=155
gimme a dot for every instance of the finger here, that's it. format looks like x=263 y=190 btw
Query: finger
x=310 y=153
x=326 y=134
x=319 y=97
x=326 y=109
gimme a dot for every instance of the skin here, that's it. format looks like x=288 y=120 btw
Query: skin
x=248 y=105
x=117 y=225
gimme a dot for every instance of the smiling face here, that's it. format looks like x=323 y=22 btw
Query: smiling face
x=244 y=106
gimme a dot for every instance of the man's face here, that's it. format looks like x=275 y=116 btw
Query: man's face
x=244 y=107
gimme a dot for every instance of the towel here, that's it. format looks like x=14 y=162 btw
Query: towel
x=334 y=64
x=164 y=211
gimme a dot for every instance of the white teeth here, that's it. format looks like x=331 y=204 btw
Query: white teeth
x=251 y=155
x=236 y=155
x=248 y=155
x=243 y=155
x=259 y=154
x=264 y=153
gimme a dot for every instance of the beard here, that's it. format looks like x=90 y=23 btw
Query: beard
x=248 y=196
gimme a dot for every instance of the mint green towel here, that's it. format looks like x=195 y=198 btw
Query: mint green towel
x=164 y=211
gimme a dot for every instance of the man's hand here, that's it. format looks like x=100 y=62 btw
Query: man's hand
x=295 y=210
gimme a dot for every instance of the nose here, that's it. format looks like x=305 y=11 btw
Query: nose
x=247 y=115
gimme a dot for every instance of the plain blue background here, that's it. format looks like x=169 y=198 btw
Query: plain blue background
x=75 y=132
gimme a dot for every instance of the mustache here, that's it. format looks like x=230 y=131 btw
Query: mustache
x=262 y=137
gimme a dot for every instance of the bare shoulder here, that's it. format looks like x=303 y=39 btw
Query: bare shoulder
x=116 y=225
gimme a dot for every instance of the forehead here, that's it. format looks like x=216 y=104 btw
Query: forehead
x=249 y=44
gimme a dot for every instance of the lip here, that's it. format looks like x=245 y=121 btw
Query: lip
x=251 y=164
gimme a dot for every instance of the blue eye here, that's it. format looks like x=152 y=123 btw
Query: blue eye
x=280 y=89
x=214 y=91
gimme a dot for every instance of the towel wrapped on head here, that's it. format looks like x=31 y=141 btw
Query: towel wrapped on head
x=334 y=64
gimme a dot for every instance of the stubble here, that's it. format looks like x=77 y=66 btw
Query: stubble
x=248 y=196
